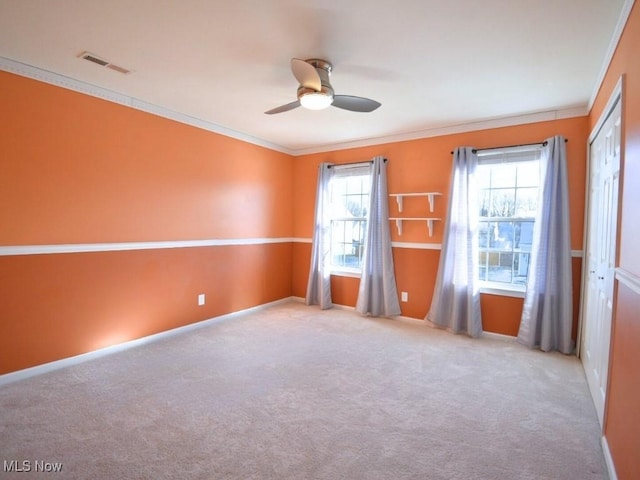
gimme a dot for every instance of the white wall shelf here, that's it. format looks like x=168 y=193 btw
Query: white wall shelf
x=430 y=195
x=429 y=221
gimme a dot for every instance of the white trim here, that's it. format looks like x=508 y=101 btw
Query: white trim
x=69 y=83
x=534 y=117
x=62 y=81
x=628 y=279
x=616 y=96
x=336 y=272
x=10 y=250
x=78 y=359
x=608 y=459
x=503 y=292
x=401 y=318
x=417 y=321
x=301 y=240
x=116 y=247
x=421 y=245
x=417 y=245
x=427 y=323
x=613 y=44
x=499 y=336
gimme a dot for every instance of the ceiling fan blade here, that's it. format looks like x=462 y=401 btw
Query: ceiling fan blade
x=355 y=104
x=284 y=108
x=306 y=74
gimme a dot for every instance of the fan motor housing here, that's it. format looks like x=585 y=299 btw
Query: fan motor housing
x=324 y=71
x=323 y=68
x=324 y=90
x=316 y=93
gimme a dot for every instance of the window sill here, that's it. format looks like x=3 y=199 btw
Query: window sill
x=353 y=273
x=511 y=291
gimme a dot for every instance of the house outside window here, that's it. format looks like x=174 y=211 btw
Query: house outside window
x=508 y=182
x=349 y=203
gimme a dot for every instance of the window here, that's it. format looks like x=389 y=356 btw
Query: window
x=508 y=183
x=349 y=203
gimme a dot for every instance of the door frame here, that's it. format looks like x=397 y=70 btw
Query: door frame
x=616 y=97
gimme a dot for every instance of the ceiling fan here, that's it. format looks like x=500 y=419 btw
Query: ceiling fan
x=315 y=91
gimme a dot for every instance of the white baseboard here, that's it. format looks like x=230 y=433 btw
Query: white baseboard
x=419 y=321
x=499 y=336
x=611 y=468
x=77 y=359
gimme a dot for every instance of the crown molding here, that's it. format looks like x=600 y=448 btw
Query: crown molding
x=613 y=44
x=69 y=83
x=79 y=86
x=498 y=122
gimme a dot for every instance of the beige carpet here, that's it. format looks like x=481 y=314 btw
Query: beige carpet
x=295 y=393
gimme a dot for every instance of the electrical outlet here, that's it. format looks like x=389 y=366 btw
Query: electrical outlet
x=201 y=299
x=404 y=296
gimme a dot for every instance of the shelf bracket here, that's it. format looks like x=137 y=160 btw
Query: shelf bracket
x=399 y=225
x=430 y=226
x=430 y=197
x=399 y=200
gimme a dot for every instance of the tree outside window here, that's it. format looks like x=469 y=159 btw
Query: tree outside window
x=349 y=204
x=508 y=197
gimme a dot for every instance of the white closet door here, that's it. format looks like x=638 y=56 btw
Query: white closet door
x=604 y=178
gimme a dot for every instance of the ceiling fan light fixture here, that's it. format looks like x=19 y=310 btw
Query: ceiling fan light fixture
x=316 y=93
x=316 y=100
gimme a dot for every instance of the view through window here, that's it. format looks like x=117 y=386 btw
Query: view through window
x=508 y=198
x=349 y=203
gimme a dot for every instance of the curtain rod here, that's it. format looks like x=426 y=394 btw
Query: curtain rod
x=544 y=144
x=352 y=163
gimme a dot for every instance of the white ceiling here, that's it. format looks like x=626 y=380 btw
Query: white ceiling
x=431 y=63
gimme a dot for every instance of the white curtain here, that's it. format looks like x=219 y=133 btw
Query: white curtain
x=319 y=284
x=378 y=295
x=547 y=315
x=456 y=297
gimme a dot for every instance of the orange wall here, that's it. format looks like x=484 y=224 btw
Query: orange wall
x=425 y=165
x=77 y=169
x=58 y=306
x=622 y=411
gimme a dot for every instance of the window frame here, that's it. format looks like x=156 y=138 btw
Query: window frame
x=363 y=169
x=506 y=155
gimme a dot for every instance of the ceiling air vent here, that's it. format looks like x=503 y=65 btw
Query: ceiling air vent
x=117 y=68
x=103 y=63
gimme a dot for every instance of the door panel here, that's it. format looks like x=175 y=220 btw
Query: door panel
x=601 y=256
